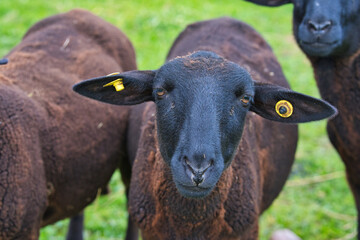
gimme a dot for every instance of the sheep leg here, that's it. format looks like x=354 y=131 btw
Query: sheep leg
x=76 y=226
x=125 y=168
x=132 y=232
x=356 y=192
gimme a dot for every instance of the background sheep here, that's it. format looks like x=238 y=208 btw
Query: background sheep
x=192 y=179
x=57 y=150
x=328 y=33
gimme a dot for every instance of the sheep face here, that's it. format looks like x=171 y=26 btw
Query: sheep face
x=324 y=28
x=202 y=101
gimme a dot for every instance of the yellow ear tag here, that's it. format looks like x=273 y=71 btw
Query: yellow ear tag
x=284 y=108
x=118 y=83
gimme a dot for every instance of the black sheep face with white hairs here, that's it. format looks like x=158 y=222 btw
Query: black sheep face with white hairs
x=202 y=100
x=327 y=28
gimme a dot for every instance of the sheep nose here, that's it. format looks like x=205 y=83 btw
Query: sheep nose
x=197 y=169
x=319 y=28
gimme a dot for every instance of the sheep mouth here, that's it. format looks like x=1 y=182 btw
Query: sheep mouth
x=319 y=48
x=318 y=44
x=193 y=191
x=194 y=188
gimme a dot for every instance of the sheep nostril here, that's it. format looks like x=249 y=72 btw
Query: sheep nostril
x=187 y=163
x=212 y=163
x=186 y=160
x=197 y=179
x=319 y=28
x=312 y=26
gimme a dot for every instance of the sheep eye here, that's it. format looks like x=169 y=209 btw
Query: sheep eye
x=160 y=92
x=245 y=100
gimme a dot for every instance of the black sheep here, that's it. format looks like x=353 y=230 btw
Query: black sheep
x=56 y=150
x=206 y=159
x=328 y=32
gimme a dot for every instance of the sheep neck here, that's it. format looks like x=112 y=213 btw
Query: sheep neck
x=339 y=83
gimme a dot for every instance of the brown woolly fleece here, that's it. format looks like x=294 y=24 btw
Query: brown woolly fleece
x=57 y=149
x=254 y=178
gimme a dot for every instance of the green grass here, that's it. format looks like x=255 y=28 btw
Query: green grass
x=323 y=210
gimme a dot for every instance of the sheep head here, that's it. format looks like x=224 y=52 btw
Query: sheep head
x=324 y=28
x=201 y=102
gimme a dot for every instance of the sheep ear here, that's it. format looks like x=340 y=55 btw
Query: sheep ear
x=283 y=105
x=127 y=88
x=270 y=3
